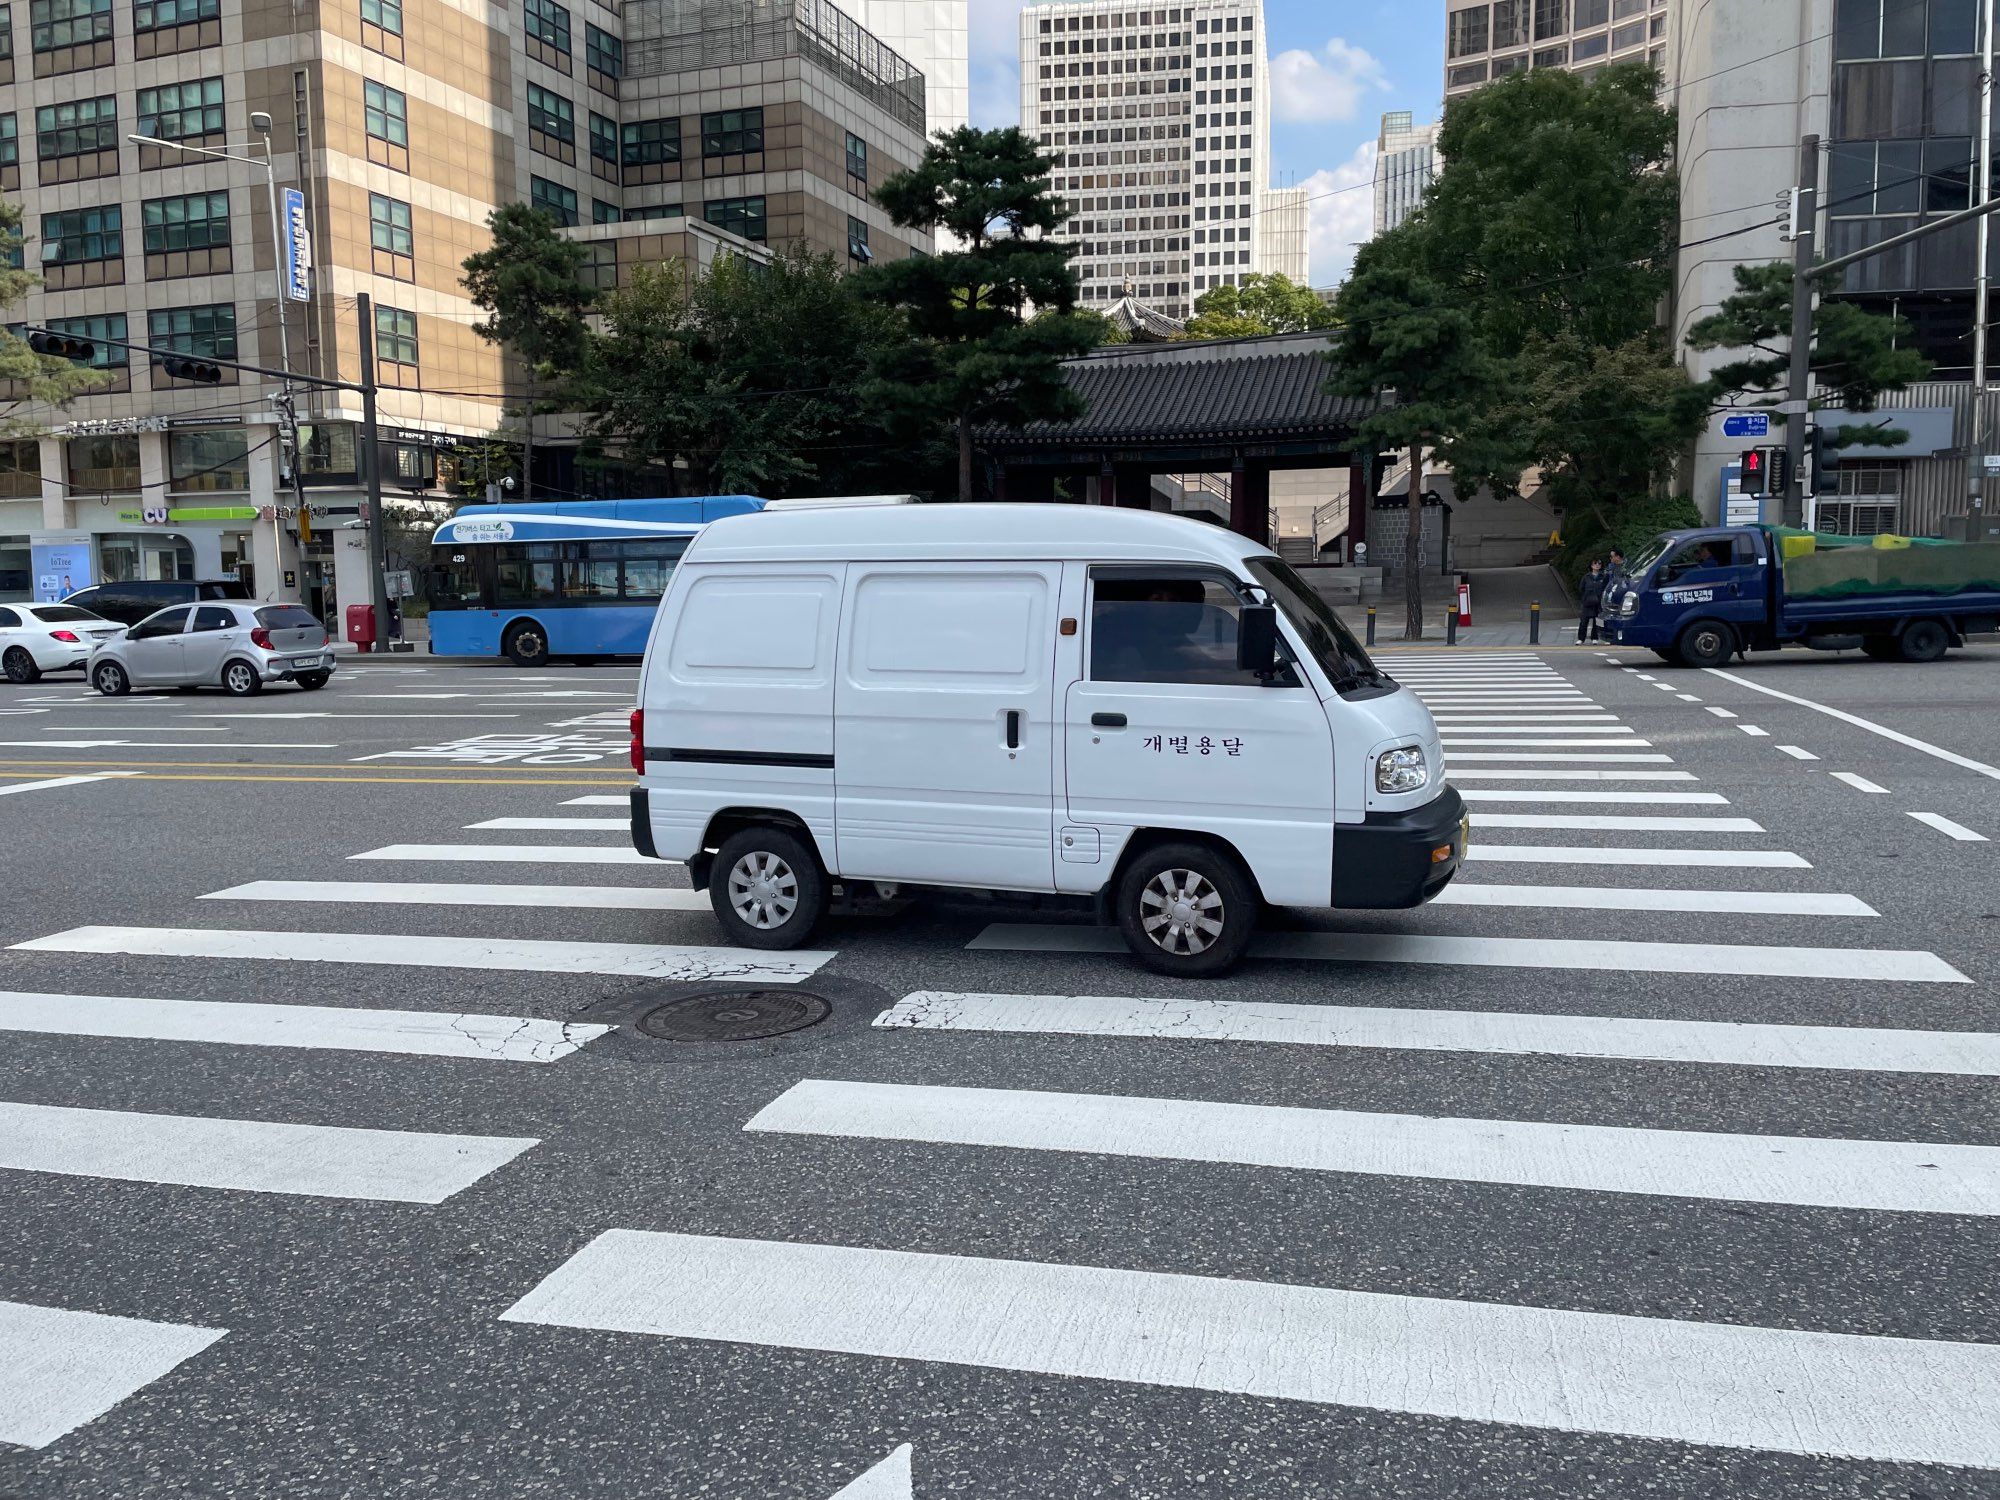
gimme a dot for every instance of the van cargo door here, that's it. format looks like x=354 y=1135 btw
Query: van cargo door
x=944 y=724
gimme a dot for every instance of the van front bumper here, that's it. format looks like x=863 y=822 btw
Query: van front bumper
x=1391 y=860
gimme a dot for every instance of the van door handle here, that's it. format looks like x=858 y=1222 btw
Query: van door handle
x=1107 y=721
x=1013 y=729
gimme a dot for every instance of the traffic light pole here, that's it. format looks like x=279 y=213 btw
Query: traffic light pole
x=378 y=561
x=1798 y=393
x=370 y=430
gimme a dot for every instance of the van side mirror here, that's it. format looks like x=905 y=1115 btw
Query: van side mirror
x=1257 y=640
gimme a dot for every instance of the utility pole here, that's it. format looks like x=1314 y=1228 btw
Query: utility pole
x=378 y=585
x=1805 y=215
x=1976 y=464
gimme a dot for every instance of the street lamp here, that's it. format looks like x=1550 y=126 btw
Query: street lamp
x=261 y=123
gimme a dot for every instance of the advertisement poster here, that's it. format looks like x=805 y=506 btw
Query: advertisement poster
x=61 y=565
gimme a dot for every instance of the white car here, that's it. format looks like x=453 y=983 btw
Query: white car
x=38 y=638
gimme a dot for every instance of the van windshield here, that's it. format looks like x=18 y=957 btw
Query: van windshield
x=1332 y=644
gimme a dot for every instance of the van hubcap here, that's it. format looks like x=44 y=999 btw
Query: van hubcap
x=763 y=891
x=1181 y=911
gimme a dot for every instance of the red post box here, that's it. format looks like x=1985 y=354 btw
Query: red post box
x=361 y=626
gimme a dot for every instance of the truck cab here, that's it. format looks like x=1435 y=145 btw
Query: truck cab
x=1049 y=700
x=1699 y=595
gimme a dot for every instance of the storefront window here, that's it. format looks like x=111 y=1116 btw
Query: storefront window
x=153 y=557
x=20 y=469
x=99 y=464
x=206 y=461
x=17 y=577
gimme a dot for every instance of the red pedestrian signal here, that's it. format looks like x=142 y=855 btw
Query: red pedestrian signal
x=1756 y=472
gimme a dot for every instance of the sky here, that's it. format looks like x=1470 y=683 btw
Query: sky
x=1336 y=66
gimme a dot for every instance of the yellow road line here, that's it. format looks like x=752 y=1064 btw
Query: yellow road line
x=368 y=780
x=359 y=772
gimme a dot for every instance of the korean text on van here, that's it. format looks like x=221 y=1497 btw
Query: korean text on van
x=1049 y=699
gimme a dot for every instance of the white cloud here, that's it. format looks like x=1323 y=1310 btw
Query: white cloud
x=1329 y=85
x=1341 y=205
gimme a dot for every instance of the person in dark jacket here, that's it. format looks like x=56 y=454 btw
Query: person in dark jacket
x=1590 y=601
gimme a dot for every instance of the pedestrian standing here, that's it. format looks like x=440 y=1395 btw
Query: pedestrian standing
x=1590 y=601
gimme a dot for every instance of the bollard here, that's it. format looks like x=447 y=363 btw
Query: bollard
x=1371 y=624
x=1535 y=623
x=1451 y=627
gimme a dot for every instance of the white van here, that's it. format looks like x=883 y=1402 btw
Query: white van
x=1036 y=698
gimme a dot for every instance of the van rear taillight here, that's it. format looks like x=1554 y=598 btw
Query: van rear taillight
x=639 y=741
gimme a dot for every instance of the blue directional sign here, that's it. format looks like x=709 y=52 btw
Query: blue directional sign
x=1749 y=424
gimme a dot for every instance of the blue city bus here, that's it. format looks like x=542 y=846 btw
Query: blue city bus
x=576 y=579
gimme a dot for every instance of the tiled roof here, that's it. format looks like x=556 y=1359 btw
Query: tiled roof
x=1257 y=388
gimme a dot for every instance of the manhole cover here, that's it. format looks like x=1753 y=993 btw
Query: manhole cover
x=733 y=1015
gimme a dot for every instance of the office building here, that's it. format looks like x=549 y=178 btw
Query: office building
x=662 y=130
x=1405 y=164
x=1891 y=88
x=1496 y=37
x=934 y=36
x=1160 y=119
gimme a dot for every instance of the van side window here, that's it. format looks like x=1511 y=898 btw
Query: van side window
x=1165 y=630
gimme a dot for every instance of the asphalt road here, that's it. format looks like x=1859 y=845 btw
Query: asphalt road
x=371 y=1186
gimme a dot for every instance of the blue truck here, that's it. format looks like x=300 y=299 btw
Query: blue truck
x=1700 y=597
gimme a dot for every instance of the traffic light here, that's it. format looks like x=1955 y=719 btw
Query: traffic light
x=182 y=367
x=1825 y=459
x=1756 y=472
x=62 y=346
x=1778 y=469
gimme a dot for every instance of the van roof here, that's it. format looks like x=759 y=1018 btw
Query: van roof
x=1039 y=532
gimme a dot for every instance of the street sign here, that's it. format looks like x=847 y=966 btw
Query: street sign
x=298 y=248
x=1747 y=424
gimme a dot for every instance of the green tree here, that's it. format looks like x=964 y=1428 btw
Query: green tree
x=1262 y=304
x=1402 y=332
x=975 y=354
x=747 y=377
x=1102 y=329
x=1552 y=231
x=1558 y=216
x=39 y=379
x=529 y=285
x=1855 y=354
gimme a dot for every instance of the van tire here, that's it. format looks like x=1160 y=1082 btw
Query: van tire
x=1925 y=640
x=526 y=644
x=1217 y=883
x=1706 y=643
x=767 y=888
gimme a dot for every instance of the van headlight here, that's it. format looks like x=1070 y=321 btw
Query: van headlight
x=1402 y=770
x=1628 y=602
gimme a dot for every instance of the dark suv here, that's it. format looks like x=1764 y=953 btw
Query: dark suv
x=129 y=603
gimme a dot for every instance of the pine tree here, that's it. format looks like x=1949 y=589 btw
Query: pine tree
x=992 y=313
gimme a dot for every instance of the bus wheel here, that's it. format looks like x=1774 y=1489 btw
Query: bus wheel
x=1924 y=640
x=1706 y=643
x=526 y=646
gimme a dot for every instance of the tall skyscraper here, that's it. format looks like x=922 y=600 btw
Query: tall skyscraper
x=1160 y=118
x=1405 y=164
x=659 y=131
x=1490 y=40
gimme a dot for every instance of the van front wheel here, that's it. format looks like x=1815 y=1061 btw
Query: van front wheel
x=1186 y=909
x=767 y=889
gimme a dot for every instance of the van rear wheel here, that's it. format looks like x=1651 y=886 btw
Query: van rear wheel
x=1186 y=909
x=767 y=888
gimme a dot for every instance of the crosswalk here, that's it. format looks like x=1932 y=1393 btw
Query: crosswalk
x=1604 y=826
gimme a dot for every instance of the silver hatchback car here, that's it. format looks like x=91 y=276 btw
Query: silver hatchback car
x=234 y=644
